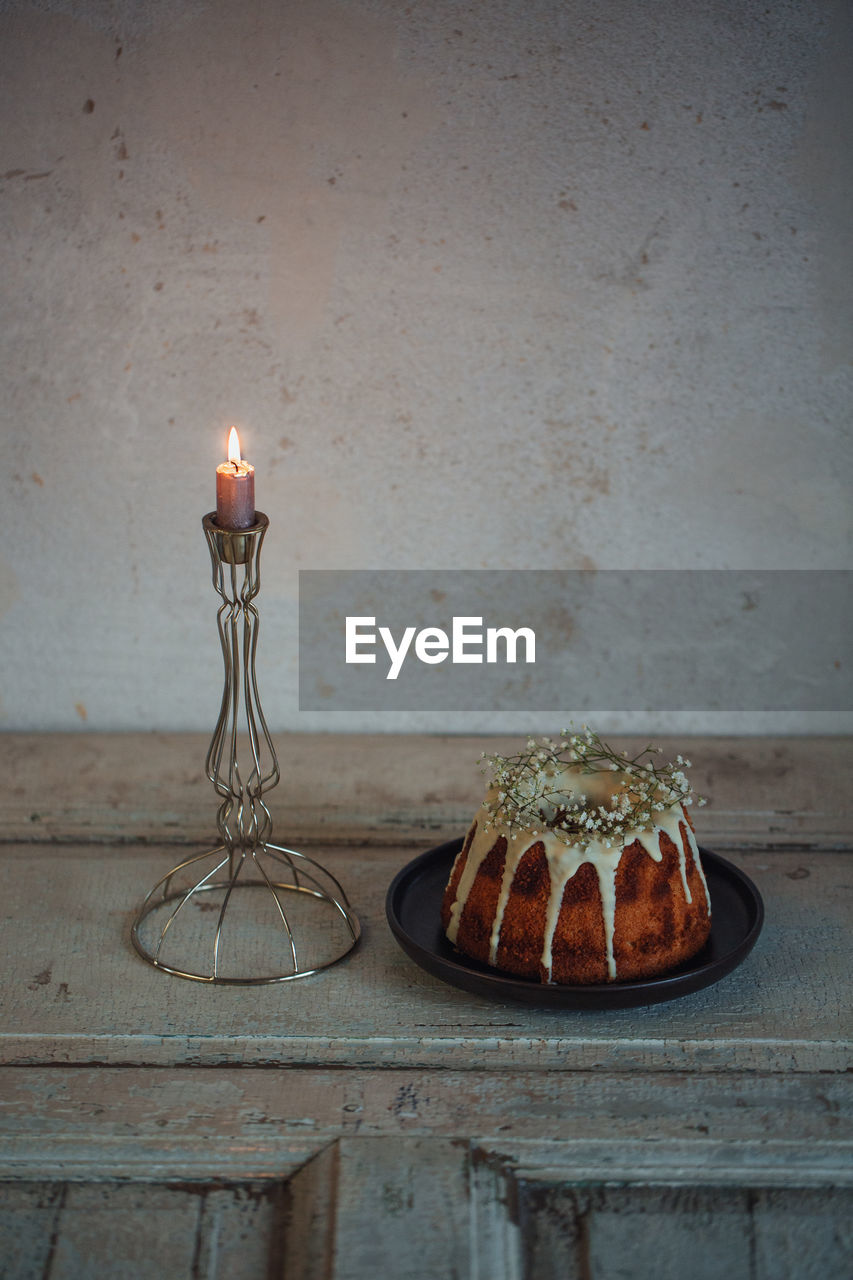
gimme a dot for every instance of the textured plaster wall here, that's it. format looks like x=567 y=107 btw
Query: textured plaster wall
x=561 y=283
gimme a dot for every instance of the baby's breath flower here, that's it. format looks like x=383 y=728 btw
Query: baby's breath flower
x=531 y=788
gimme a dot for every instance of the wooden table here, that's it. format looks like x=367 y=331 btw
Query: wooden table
x=371 y=1120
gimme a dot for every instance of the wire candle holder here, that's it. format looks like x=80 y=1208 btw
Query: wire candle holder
x=190 y=924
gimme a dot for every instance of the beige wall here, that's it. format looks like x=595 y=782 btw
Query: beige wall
x=562 y=283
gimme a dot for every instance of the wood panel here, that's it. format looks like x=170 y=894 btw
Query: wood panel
x=667 y=1233
x=372 y=1119
x=390 y=789
x=73 y=1231
x=426 y=1207
x=182 y=1123
x=74 y=991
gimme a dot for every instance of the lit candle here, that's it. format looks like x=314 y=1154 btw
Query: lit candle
x=235 y=489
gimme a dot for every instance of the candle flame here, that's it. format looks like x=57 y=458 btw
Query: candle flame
x=234 y=447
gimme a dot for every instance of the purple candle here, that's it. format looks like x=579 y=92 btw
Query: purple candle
x=235 y=489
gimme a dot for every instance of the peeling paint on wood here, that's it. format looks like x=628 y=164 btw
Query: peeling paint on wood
x=372 y=1118
x=395 y=789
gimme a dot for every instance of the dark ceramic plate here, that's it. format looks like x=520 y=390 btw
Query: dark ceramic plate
x=414 y=901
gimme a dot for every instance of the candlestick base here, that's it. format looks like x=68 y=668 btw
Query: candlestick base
x=199 y=921
x=296 y=922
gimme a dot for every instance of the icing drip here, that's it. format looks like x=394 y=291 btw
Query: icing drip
x=563 y=862
x=697 y=861
x=607 y=889
x=670 y=822
x=515 y=852
x=481 y=845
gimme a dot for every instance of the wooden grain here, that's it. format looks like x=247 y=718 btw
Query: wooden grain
x=402 y=1209
x=755 y=1233
x=112 y=1231
x=389 y=789
x=372 y=1119
x=74 y=991
x=164 y=1123
x=420 y=1207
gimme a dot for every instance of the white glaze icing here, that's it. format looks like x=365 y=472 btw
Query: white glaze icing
x=564 y=860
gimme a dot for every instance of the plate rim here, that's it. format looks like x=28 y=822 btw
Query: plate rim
x=601 y=996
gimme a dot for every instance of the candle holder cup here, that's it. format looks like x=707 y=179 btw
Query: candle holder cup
x=201 y=921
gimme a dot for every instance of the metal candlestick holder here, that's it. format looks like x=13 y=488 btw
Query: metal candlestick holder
x=200 y=921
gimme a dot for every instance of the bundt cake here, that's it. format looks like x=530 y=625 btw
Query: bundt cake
x=580 y=867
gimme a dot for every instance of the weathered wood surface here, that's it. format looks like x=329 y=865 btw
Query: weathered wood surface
x=387 y=789
x=74 y=991
x=372 y=1120
x=109 y=1231
x=416 y=1208
x=163 y=1124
